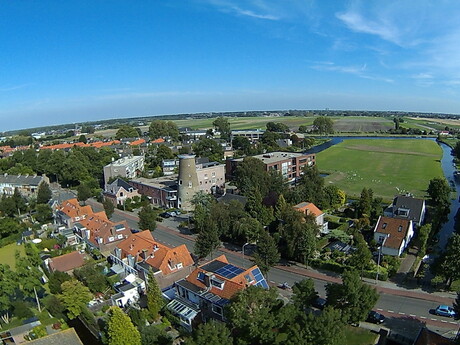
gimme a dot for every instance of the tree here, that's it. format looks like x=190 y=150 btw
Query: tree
x=250 y=229
x=120 y=329
x=242 y=143
x=154 y=296
x=209 y=148
x=439 y=191
x=82 y=139
x=334 y=197
x=362 y=256
x=126 y=131
x=256 y=209
x=8 y=285
x=55 y=281
x=161 y=128
x=250 y=174
x=109 y=208
x=277 y=127
x=423 y=235
x=325 y=329
x=44 y=213
x=83 y=192
x=223 y=126
x=450 y=260
x=19 y=201
x=21 y=310
x=212 y=332
x=27 y=274
x=74 y=297
x=44 y=193
x=304 y=293
x=323 y=125
x=353 y=297
x=152 y=335
x=91 y=275
x=311 y=186
x=252 y=315
x=207 y=240
x=306 y=247
x=267 y=254
x=365 y=203
x=147 y=218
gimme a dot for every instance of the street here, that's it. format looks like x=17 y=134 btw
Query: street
x=410 y=307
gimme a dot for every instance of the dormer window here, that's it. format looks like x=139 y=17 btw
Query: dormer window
x=400 y=228
x=384 y=225
x=217 y=283
x=201 y=276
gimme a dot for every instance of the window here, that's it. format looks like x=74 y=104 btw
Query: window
x=120 y=237
x=384 y=225
x=190 y=184
x=400 y=228
x=216 y=309
x=217 y=283
x=111 y=239
x=179 y=266
x=201 y=276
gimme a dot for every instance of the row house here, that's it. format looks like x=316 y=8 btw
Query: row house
x=70 y=212
x=209 y=288
x=26 y=184
x=140 y=253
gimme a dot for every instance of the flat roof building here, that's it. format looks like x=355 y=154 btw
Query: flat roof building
x=128 y=167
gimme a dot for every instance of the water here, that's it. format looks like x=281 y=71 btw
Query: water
x=447 y=167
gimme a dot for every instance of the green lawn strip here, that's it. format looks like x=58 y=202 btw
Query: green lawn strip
x=7 y=254
x=388 y=166
x=358 y=336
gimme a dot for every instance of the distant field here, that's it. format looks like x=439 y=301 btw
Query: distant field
x=388 y=166
x=7 y=254
x=362 y=124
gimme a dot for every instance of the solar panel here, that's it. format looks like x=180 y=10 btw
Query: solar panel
x=262 y=284
x=229 y=271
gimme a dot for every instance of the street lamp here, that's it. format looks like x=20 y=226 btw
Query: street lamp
x=242 y=249
x=378 y=260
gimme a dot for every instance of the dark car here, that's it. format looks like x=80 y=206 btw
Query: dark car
x=319 y=303
x=165 y=215
x=375 y=317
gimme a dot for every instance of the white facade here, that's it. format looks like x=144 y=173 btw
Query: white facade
x=125 y=167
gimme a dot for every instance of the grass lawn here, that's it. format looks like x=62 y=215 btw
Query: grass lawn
x=358 y=336
x=7 y=254
x=388 y=166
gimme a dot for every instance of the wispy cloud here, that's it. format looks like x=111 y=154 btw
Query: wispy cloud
x=255 y=9
x=15 y=87
x=358 y=70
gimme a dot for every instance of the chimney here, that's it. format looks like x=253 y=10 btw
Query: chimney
x=144 y=255
x=207 y=278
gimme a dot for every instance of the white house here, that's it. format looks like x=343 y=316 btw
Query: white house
x=407 y=207
x=393 y=234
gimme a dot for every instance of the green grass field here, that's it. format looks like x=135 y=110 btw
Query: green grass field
x=388 y=166
x=7 y=254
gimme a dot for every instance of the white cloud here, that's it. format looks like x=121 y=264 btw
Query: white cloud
x=255 y=9
x=15 y=87
x=358 y=70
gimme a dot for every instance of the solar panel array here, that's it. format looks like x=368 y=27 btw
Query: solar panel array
x=229 y=271
x=260 y=279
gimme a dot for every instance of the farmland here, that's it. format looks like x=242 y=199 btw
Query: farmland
x=388 y=166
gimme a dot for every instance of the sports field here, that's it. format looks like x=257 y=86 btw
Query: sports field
x=7 y=254
x=388 y=166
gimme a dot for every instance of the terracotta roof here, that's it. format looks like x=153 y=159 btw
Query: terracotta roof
x=231 y=286
x=73 y=209
x=156 y=254
x=67 y=262
x=102 y=228
x=308 y=208
x=158 y=141
x=137 y=142
x=396 y=228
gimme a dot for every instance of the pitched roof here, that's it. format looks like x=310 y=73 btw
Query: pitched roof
x=158 y=141
x=66 y=337
x=396 y=228
x=142 y=246
x=73 y=209
x=67 y=262
x=240 y=280
x=427 y=337
x=120 y=183
x=31 y=180
x=102 y=228
x=137 y=142
x=414 y=205
x=308 y=208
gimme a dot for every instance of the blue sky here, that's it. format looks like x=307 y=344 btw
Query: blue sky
x=75 y=61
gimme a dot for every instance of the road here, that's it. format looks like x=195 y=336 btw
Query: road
x=409 y=307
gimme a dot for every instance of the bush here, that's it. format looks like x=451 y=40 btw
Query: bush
x=22 y=310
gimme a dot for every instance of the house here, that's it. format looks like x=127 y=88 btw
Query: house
x=393 y=234
x=98 y=231
x=427 y=337
x=69 y=212
x=128 y=291
x=140 y=253
x=65 y=263
x=26 y=184
x=118 y=191
x=129 y=167
x=16 y=335
x=67 y=337
x=309 y=208
x=407 y=207
x=210 y=287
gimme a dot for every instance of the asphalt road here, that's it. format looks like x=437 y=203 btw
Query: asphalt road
x=409 y=312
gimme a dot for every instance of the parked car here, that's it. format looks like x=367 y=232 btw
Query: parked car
x=284 y=286
x=165 y=215
x=445 y=310
x=375 y=317
x=319 y=303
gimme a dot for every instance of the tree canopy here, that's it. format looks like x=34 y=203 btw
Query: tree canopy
x=147 y=218
x=120 y=329
x=127 y=131
x=161 y=128
x=223 y=126
x=323 y=125
x=74 y=297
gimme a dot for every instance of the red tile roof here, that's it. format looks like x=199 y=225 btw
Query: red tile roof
x=143 y=246
x=158 y=141
x=137 y=142
x=308 y=208
x=67 y=262
x=231 y=286
x=396 y=228
x=73 y=209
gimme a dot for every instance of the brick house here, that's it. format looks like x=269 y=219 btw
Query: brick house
x=309 y=208
x=393 y=235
